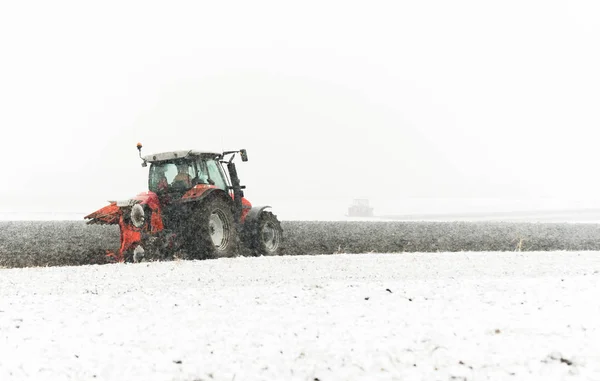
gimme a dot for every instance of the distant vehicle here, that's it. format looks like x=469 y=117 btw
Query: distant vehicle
x=360 y=208
x=195 y=204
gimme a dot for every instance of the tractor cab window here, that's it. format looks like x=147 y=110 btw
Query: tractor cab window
x=203 y=177
x=171 y=176
x=215 y=173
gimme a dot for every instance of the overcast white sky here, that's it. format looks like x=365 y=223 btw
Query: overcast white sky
x=332 y=99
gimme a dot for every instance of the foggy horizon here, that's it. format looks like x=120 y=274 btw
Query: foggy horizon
x=334 y=101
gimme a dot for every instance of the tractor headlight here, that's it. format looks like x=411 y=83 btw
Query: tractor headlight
x=137 y=216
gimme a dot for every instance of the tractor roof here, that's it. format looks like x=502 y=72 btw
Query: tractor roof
x=172 y=155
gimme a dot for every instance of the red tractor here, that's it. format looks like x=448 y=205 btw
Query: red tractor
x=195 y=207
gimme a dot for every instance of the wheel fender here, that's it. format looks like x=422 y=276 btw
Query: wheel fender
x=253 y=216
x=209 y=192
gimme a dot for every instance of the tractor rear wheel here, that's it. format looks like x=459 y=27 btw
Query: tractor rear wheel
x=267 y=235
x=212 y=232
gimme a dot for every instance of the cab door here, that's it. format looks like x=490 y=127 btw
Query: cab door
x=215 y=174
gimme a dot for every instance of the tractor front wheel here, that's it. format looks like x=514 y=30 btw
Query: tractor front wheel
x=267 y=235
x=212 y=232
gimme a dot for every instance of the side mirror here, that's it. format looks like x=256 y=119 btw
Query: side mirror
x=244 y=155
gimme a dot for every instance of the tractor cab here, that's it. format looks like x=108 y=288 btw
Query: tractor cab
x=177 y=172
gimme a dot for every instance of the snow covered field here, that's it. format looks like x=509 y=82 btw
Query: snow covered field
x=435 y=316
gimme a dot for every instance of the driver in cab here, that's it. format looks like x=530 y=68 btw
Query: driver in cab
x=183 y=176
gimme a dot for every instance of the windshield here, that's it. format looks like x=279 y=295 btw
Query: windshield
x=166 y=176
